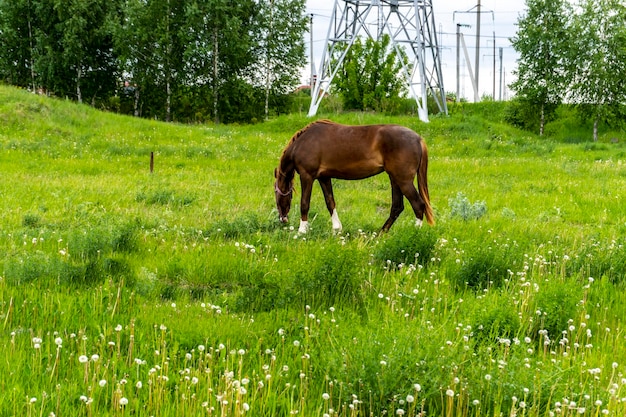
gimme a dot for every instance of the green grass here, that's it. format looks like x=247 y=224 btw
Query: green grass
x=177 y=292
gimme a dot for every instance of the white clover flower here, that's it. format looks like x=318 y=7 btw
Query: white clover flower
x=245 y=407
x=410 y=399
x=83 y=359
x=201 y=348
x=95 y=357
x=450 y=393
x=33 y=400
x=417 y=387
x=488 y=377
x=123 y=401
x=296 y=343
x=400 y=412
x=58 y=341
x=139 y=385
x=102 y=383
x=194 y=380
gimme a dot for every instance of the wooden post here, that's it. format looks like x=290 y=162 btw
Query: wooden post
x=151 y=162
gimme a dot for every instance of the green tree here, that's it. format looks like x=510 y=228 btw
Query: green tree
x=369 y=77
x=282 y=26
x=84 y=51
x=542 y=42
x=598 y=57
x=18 y=22
x=150 y=46
x=219 y=54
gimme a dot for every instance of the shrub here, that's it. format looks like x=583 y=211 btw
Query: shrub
x=487 y=266
x=497 y=320
x=330 y=277
x=557 y=303
x=461 y=207
x=407 y=246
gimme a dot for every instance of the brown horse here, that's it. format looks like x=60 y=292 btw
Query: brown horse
x=325 y=150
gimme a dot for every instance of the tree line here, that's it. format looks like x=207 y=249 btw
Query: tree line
x=571 y=53
x=174 y=60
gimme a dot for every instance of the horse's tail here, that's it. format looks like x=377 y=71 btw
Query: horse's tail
x=422 y=183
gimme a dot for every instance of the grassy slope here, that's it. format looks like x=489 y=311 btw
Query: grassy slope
x=77 y=181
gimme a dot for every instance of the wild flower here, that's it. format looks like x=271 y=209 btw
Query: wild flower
x=450 y=393
x=83 y=359
x=102 y=383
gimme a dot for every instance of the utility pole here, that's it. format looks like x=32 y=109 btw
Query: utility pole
x=500 y=73
x=312 y=81
x=476 y=98
x=458 y=60
x=494 y=66
x=478 y=10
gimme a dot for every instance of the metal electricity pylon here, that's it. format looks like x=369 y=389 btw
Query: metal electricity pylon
x=410 y=25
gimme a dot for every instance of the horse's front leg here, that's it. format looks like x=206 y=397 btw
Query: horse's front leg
x=327 y=189
x=306 y=183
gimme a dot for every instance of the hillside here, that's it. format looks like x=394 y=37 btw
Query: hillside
x=178 y=292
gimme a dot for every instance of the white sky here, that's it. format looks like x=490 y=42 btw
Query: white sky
x=499 y=16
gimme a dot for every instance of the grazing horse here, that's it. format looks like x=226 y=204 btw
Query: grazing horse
x=325 y=150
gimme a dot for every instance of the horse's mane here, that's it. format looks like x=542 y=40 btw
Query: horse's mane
x=300 y=133
x=293 y=139
x=304 y=129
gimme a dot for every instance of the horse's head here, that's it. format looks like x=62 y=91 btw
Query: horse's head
x=283 y=190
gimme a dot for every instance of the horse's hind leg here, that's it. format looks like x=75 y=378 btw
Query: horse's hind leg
x=418 y=205
x=397 y=205
x=327 y=189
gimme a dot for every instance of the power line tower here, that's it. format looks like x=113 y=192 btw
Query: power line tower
x=410 y=25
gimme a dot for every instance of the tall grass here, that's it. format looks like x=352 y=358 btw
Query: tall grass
x=177 y=292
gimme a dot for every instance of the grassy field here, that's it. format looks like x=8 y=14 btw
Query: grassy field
x=177 y=292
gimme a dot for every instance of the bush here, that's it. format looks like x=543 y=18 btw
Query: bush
x=330 y=277
x=557 y=303
x=461 y=207
x=497 y=320
x=488 y=266
x=407 y=246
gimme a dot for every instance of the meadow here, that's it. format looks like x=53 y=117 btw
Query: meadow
x=177 y=292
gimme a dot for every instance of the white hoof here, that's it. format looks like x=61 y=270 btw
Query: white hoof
x=304 y=227
x=418 y=223
x=336 y=222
